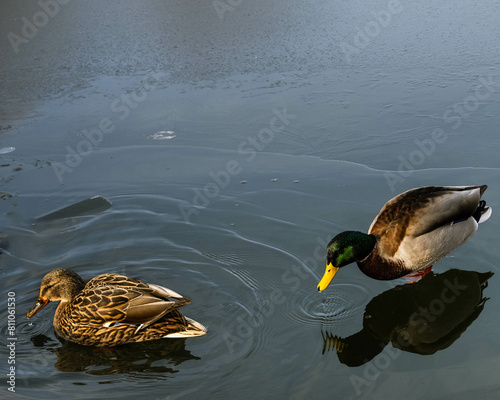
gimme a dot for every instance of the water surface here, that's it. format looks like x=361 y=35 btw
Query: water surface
x=232 y=145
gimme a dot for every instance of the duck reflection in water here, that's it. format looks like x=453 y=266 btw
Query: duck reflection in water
x=422 y=317
x=143 y=358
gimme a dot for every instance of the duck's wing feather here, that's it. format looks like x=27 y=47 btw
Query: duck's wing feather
x=127 y=282
x=420 y=211
x=107 y=301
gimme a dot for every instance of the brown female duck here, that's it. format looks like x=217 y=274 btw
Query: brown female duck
x=113 y=309
x=411 y=232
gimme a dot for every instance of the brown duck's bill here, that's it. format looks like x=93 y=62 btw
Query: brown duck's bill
x=40 y=303
x=327 y=278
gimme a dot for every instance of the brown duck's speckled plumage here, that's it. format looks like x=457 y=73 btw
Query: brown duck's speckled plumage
x=113 y=309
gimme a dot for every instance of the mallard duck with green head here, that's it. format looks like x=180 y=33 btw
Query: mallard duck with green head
x=411 y=232
x=113 y=309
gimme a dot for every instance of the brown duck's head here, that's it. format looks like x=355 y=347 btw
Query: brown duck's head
x=58 y=285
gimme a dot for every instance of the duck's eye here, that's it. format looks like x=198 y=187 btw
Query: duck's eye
x=48 y=287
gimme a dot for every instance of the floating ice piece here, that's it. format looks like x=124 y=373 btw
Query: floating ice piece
x=94 y=205
x=6 y=150
x=162 y=135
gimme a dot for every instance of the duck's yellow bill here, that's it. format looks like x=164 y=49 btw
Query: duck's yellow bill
x=40 y=303
x=327 y=278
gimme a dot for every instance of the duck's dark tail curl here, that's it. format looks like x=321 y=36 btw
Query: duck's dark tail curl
x=482 y=212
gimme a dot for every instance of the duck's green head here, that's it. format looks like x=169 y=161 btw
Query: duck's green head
x=344 y=249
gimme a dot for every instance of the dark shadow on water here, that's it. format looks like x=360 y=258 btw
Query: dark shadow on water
x=422 y=317
x=151 y=357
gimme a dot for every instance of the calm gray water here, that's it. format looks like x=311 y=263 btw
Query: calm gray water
x=233 y=140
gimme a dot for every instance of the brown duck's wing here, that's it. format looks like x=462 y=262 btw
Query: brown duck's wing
x=115 y=280
x=419 y=211
x=111 y=305
x=147 y=308
x=127 y=282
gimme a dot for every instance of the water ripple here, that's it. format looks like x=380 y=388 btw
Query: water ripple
x=226 y=259
x=246 y=277
x=343 y=301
